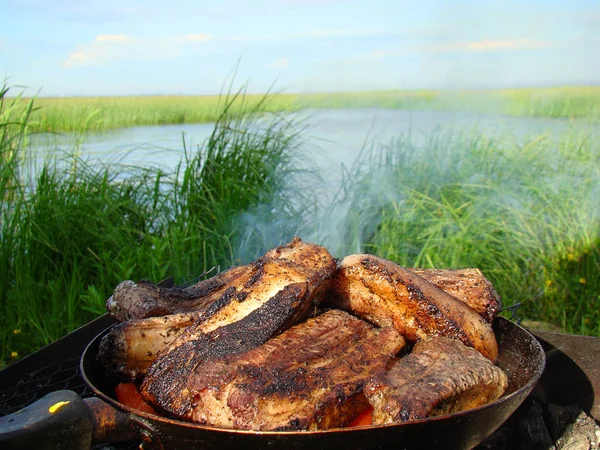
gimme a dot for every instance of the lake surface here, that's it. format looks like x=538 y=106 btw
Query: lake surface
x=331 y=138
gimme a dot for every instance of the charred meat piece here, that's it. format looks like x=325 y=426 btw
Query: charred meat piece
x=132 y=300
x=310 y=377
x=467 y=285
x=134 y=345
x=384 y=293
x=440 y=376
x=130 y=347
x=284 y=286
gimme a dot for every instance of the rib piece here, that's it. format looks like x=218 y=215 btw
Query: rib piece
x=440 y=376
x=132 y=300
x=384 y=293
x=129 y=348
x=309 y=377
x=285 y=284
x=468 y=285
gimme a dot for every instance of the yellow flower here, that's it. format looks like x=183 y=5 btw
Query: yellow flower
x=548 y=283
x=582 y=280
x=571 y=257
x=16 y=331
x=14 y=354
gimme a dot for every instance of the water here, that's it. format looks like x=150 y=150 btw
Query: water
x=150 y=145
x=332 y=138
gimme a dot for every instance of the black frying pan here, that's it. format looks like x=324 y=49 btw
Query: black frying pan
x=63 y=420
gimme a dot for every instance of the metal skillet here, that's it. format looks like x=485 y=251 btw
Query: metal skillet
x=63 y=420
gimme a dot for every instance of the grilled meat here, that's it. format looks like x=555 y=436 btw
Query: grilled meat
x=440 y=376
x=467 y=285
x=309 y=377
x=144 y=299
x=283 y=287
x=130 y=347
x=132 y=300
x=384 y=293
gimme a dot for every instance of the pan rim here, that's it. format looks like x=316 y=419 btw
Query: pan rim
x=526 y=388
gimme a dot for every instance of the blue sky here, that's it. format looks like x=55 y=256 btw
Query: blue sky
x=119 y=47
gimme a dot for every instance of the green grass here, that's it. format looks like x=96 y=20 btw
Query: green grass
x=570 y=102
x=104 y=113
x=526 y=213
x=72 y=231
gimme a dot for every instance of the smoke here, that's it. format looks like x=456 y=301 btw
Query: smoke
x=343 y=225
x=319 y=202
x=438 y=187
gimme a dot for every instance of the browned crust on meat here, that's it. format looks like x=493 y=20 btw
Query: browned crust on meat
x=132 y=300
x=384 y=293
x=309 y=377
x=165 y=385
x=281 y=290
x=468 y=285
x=440 y=376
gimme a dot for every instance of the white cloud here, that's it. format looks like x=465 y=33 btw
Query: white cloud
x=315 y=34
x=196 y=38
x=338 y=33
x=108 y=48
x=480 y=46
x=306 y=2
x=279 y=63
x=487 y=45
x=77 y=59
x=80 y=56
x=113 y=38
x=382 y=54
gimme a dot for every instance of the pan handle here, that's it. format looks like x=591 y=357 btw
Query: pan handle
x=62 y=419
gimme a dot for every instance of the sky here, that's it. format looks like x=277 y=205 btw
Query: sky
x=150 y=47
